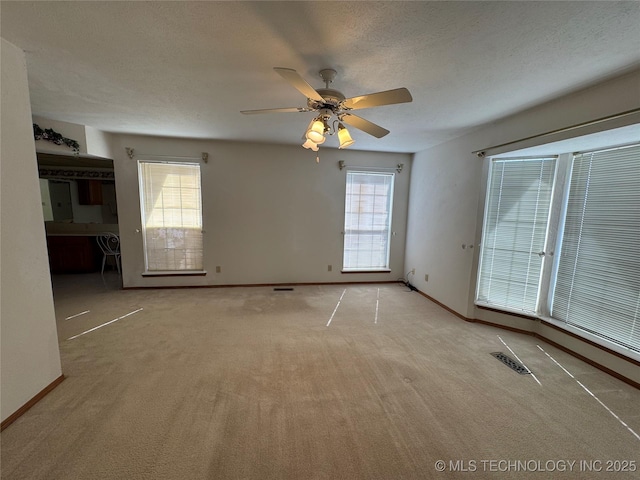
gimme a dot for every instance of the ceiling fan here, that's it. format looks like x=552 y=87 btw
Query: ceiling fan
x=332 y=103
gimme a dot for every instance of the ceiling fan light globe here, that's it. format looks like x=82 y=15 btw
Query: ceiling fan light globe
x=309 y=144
x=316 y=138
x=315 y=133
x=345 y=138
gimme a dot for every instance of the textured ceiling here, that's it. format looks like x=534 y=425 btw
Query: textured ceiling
x=187 y=68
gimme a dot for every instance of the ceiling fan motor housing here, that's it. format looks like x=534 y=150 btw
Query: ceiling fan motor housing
x=332 y=99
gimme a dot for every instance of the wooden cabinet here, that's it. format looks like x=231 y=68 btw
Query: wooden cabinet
x=73 y=254
x=90 y=192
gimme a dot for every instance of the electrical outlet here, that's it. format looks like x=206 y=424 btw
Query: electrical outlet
x=329 y=268
x=413 y=271
x=426 y=277
x=218 y=269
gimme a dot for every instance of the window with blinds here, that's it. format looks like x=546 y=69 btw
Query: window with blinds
x=514 y=234
x=171 y=209
x=597 y=285
x=367 y=220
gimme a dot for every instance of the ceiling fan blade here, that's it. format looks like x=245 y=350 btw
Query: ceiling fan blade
x=364 y=125
x=389 y=97
x=299 y=83
x=278 y=110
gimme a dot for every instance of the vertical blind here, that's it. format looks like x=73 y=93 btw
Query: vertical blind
x=598 y=274
x=367 y=220
x=514 y=233
x=171 y=208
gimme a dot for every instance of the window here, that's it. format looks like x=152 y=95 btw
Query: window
x=367 y=221
x=598 y=273
x=590 y=216
x=171 y=209
x=514 y=234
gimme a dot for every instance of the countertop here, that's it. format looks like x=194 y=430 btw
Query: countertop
x=79 y=229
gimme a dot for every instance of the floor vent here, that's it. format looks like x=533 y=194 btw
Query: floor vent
x=282 y=289
x=511 y=363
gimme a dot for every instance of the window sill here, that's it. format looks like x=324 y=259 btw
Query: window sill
x=592 y=338
x=584 y=335
x=367 y=271
x=510 y=311
x=176 y=273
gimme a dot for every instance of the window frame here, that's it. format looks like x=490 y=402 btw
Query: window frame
x=604 y=333
x=486 y=303
x=555 y=229
x=141 y=185
x=390 y=196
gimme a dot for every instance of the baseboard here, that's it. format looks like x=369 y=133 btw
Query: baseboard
x=607 y=370
x=613 y=373
x=240 y=285
x=39 y=396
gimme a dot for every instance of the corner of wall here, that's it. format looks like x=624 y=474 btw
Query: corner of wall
x=30 y=354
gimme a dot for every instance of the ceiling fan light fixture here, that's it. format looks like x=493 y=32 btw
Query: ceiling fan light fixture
x=344 y=137
x=331 y=104
x=315 y=132
x=310 y=144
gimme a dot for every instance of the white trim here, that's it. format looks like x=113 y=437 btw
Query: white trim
x=502 y=308
x=583 y=334
x=366 y=270
x=621 y=349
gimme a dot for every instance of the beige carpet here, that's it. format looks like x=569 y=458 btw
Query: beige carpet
x=250 y=383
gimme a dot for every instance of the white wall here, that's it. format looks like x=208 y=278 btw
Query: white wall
x=271 y=213
x=443 y=202
x=447 y=191
x=98 y=142
x=30 y=359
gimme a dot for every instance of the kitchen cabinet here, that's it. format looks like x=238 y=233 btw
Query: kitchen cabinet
x=73 y=254
x=90 y=192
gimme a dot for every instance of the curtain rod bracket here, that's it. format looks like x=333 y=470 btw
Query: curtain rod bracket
x=399 y=168
x=130 y=152
x=205 y=157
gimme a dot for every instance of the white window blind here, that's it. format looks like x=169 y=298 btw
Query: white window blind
x=598 y=274
x=171 y=209
x=514 y=233
x=367 y=220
